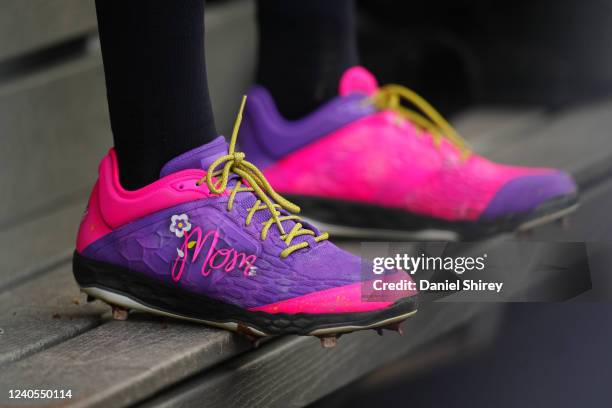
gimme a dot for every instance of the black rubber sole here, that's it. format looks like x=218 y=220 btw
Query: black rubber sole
x=365 y=217
x=168 y=298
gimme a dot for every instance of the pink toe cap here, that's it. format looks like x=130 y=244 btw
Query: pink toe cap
x=354 y=298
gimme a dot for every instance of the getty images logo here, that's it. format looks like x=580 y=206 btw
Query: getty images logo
x=412 y=264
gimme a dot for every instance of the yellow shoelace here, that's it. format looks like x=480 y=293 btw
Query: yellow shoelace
x=268 y=199
x=430 y=120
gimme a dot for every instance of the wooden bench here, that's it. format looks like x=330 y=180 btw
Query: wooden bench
x=54 y=127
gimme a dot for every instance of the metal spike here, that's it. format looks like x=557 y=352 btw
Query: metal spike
x=565 y=223
x=246 y=332
x=397 y=326
x=255 y=340
x=330 y=341
x=120 y=313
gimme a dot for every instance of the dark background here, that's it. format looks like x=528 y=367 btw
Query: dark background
x=552 y=53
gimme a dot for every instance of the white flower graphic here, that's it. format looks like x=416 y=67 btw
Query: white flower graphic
x=180 y=224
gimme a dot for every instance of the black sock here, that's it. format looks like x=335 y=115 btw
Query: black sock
x=153 y=52
x=304 y=47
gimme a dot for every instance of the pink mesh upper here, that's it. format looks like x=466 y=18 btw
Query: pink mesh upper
x=385 y=160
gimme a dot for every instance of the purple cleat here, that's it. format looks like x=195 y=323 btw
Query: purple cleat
x=211 y=241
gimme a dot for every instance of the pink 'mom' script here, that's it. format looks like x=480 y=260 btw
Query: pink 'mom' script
x=227 y=259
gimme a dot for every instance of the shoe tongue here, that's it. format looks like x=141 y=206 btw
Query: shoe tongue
x=357 y=79
x=199 y=158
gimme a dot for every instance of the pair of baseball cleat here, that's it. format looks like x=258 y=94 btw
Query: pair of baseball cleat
x=214 y=241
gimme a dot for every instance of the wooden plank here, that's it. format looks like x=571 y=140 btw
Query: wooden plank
x=296 y=371
x=27 y=26
x=491 y=128
x=577 y=140
x=119 y=363
x=54 y=127
x=591 y=223
x=38 y=244
x=112 y=365
x=43 y=312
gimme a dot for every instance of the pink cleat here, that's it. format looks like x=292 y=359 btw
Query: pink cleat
x=366 y=165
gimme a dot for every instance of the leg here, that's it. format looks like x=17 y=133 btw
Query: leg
x=158 y=101
x=304 y=48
